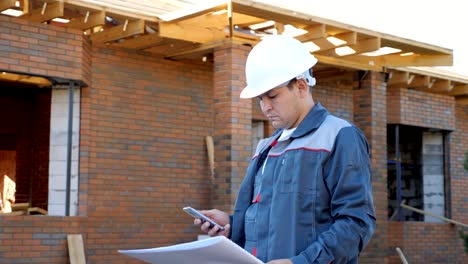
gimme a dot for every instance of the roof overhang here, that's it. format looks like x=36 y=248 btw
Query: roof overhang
x=182 y=29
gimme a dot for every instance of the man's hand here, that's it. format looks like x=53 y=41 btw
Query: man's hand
x=280 y=261
x=219 y=217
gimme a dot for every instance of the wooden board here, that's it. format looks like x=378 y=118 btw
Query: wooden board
x=76 y=249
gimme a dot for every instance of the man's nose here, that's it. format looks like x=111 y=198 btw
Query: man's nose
x=265 y=104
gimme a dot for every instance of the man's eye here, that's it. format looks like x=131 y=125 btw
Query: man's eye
x=271 y=96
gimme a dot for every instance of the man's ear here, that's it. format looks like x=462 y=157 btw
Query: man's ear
x=303 y=87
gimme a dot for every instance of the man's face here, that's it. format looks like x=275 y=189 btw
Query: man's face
x=281 y=106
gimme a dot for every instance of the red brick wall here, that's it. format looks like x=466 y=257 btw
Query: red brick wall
x=232 y=124
x=42 y=49
x=37 y=239
x=143 y=149
x=459 y=176
x=425 y=243
x=417 y=108
x=370 y=116
x=337 y=100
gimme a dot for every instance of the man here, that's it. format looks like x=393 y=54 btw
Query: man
x=306 y=197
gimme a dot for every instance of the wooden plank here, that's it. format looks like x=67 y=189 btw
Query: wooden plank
x=47 y=13
x=325 y=44
x=7 y=192
x=90 y=21
x=188 y=13
x=416 y=60
x=462 y=100
x=36 y=210
x=119 y=32
x=351 y=64
x=361 y=46
x=141 y=42
x=441 y=86
x=5 y=4
x=419 y=81
x=433 y=215
x=20 y=207
x=170 y=46
x=402 y=256
x=459 y=89
x=39 y=81
x=398 y=79
x=120 y=10
x=313 y=32
x=190 y=32
x=76 y=249
x=199 y=49
x=24 y=4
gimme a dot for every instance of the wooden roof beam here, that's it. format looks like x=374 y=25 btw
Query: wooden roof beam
x=416 y=60
x=441 y=86
x=419 y=81
x=6 y=4
x=462 y=100
x=324 y=44
x=362 y=46
x=141 y=42
x=189 y=32
x=459 y=89
x=189 y=14
x=47 y=12
x=347 y=63
x=125 y=10
x=200 y=49
x=90 y=20
x=399 y=79
x=313 y=32
x=128 y=29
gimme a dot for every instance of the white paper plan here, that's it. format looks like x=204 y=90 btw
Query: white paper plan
x=214 y=250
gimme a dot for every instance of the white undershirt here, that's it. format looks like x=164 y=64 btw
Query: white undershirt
x=284 y=136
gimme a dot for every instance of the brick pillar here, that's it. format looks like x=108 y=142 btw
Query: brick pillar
x=232 y=126
x=370 y=116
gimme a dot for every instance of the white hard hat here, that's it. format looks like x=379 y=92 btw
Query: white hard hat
x=273 y=61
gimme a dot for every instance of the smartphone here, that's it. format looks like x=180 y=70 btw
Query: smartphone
x=196 y=214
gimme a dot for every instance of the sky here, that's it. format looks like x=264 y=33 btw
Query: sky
x=441 y=23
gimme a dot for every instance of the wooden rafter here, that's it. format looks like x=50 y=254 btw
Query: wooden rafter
x=13 y=77
x=5 y=4
x=198 y=50
x=90 y=20
x=47 y=12
x=399 y=79
x=123 y=10
x=313 y=32
x=324 y=44
x=462 y=100
x=441 y=86
x=459 y=89
x=125 y=30
x=167 y=47
x=141 y=42
x=361 y=46
x=190 y=32
x=419 y=81
x=415 y=60
x=343 y=62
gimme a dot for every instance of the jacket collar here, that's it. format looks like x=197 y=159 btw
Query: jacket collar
x=311 y=121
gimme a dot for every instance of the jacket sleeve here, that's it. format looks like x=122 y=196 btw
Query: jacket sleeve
x=348 y=179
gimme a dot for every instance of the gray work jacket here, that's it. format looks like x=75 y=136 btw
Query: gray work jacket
x=313 y=201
